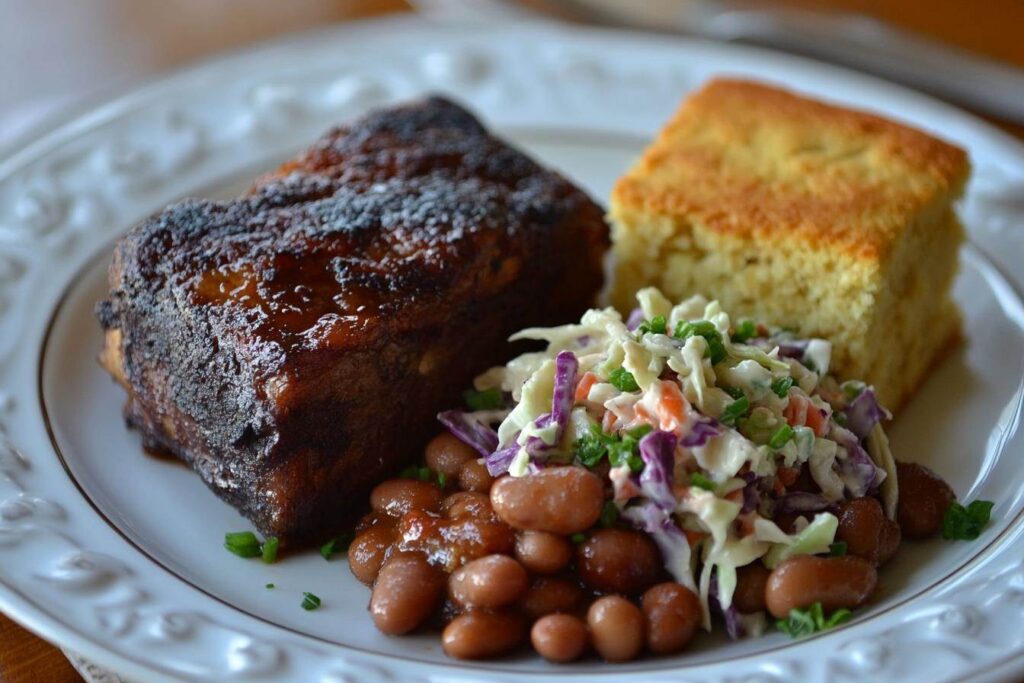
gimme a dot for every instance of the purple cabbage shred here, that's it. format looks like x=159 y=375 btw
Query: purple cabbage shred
x=467 y=428
x=700 y=433
x=657 y=450
x=864 y=412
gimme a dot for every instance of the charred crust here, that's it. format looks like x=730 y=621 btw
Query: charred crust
x=265 y=338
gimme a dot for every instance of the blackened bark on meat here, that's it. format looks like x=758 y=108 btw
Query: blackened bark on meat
x=295 y=345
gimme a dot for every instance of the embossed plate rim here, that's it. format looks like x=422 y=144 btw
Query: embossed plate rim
x=60 y=232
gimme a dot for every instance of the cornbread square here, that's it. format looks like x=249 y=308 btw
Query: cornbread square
x=835 y=222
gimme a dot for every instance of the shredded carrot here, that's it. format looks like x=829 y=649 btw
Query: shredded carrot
x=735 y=496
x=587 y=381
x=816 y=421
x=787 y=475
x=796 y=410
x=671 y=407
x=607 y=421
x=642 y=414
x=778 y=487
x=746 y=523
x=694 y=537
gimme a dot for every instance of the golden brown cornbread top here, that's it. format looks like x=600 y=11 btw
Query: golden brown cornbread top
x=764 y=164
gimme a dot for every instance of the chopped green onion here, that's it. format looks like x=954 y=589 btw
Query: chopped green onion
x=639 y=432
x=837 y=549
x=656 y=325
x=421 y=473
x=242 y=543
x=781 y=436
x=780 y=387
x=338 y=544
x=609 y=514
x=591 y=448
x=734 y=411
x=852 y=389
x=310 y=602
x=578 y=538
x=735 y=392
x=802 y=623
x=442 y=480
x=623 y=380
x=700 y=481
x=270 y=550
x=270 y=586
x=965 y=523
x=744 y=332
x=706 y=329
x=625 y=452
x=488 y=399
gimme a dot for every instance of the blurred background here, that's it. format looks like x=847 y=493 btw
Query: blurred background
x=61 y=53
x=57 y=56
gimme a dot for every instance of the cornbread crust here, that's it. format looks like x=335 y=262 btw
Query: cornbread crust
x=804 y=214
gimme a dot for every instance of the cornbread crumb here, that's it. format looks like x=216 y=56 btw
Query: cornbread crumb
x=798 y=213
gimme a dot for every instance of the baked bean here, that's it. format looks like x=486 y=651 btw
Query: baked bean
x=395 y=497
x=616 y=628
x=923 y=500
x=673 y=614
x=480 y=635
x=469 y=504
x=835 y=582
x=542 y=552
x=549 y=594
x=367 y=552
x=750 y=582
x=560 y=637
x=474 y=477
x=492 y=581
x=447 y=455
x=619 y=561
x=406 y=592
x=562 y=500
x=372 y=519
x=451 y=543
x=867 y=532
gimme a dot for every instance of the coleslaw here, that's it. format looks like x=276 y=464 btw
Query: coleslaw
x=726 y=441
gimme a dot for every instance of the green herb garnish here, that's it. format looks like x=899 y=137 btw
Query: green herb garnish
x=734 y=411
x=744 y=332
x=442 y=480
x=488 y=399
x=270 y=586
x=780 y=387
x=591 y=448
x=310 y=602
x=656 y=325
x=965 y=523
x=338 y=544
x=609 y=514
x=422 y=473
x=802 y=623
x=700 y=481
x=623 y=380
x=703 y=328
x=735 y=392
x=242 y=543
x=578 y=538
x=781 y=437
x=269 y=551
x=837 y=549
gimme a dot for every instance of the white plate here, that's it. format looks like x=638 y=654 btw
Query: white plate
x=117 y=556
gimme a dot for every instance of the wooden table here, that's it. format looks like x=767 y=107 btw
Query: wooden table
x=992 y=28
